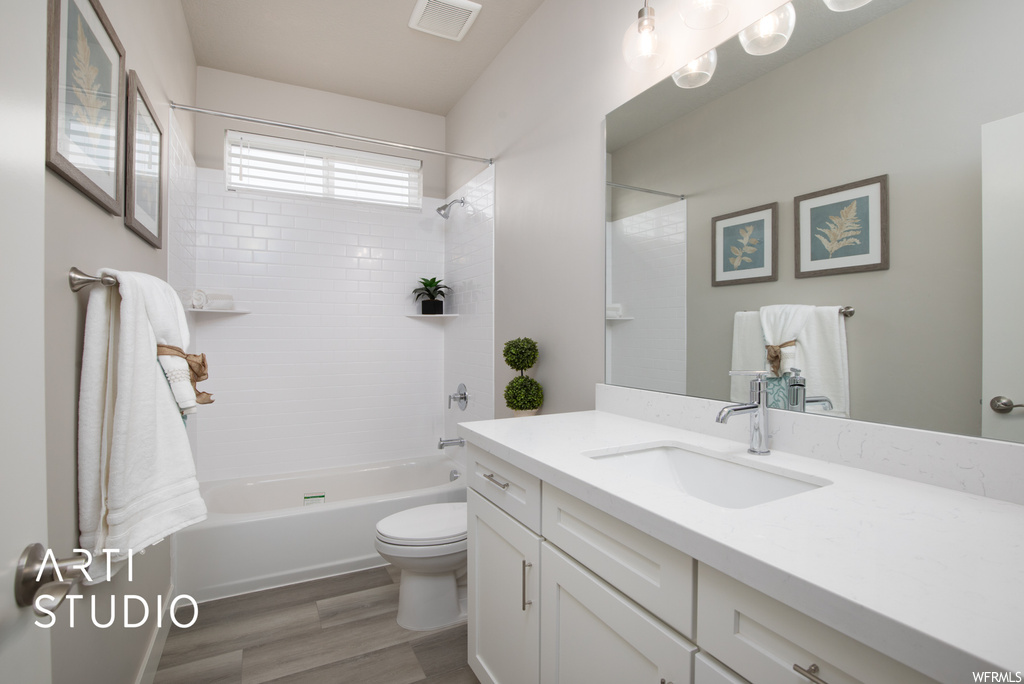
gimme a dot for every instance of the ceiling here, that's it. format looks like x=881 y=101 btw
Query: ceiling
x=361 y=48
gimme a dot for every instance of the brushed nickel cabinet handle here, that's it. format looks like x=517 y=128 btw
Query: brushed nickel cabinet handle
x=525 y=602
x=811 y=673
x=495 y=482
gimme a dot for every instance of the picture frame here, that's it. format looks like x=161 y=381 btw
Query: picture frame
x=745 y=246
x=144 y=192
x=85 y=75
x=844 y=229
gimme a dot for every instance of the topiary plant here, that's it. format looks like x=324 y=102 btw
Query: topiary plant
x=520 y=353
x=522 y=393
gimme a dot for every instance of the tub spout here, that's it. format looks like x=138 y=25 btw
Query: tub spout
x=454 y=441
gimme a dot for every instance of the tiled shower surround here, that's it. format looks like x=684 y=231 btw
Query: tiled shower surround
x=329 y=368
x=646 y=273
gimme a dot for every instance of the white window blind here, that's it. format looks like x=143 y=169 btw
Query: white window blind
x=259 y=162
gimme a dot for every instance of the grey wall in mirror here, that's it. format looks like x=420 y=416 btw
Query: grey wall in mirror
x=901 y=90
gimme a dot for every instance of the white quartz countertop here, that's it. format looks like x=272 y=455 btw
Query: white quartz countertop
x=931 y=577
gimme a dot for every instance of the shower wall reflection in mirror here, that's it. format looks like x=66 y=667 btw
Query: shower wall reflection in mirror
x=899 y=88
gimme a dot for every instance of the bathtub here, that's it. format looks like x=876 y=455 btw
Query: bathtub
x=271 y=531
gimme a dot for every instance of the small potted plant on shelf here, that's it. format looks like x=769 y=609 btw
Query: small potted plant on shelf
x=523 y=394
x=431 y=291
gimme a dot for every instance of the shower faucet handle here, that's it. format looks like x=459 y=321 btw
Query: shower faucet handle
x=460 y=397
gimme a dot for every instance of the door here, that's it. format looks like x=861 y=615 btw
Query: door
x=24 y=647
x=594 y=634
x=504 y=608
x=1002 y=367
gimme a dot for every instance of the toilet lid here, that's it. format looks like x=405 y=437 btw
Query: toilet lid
x=425 y=525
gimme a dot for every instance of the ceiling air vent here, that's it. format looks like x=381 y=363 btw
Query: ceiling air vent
x=449 y=19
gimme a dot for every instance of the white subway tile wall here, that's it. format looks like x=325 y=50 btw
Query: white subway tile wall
x=646 y=270
x=328 y=369
x=181 y=214
x=469 y=270
x=180 y=240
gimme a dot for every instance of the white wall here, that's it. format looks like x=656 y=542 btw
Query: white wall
x=256 y=97
x=539 y=109
x=79 y=233
x=328 y=369
x=646 y=277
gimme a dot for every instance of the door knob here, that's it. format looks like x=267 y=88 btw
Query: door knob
x=1003 y=404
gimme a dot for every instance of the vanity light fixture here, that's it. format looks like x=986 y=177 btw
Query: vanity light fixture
x=703 y=14
x=770 y=33
x=640 y=44
x=845 y=5
x=698 y=71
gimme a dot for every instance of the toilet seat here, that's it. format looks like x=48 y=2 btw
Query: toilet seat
x=431 y=525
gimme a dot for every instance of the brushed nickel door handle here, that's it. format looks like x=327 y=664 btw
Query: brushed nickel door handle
x=1003 y=404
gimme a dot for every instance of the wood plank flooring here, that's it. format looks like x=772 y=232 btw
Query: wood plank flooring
x=335 y=630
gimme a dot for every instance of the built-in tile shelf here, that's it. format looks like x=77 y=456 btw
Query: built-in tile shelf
x=219 y=311
x=432 y=316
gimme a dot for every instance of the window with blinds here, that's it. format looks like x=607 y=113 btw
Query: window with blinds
x=258 y=162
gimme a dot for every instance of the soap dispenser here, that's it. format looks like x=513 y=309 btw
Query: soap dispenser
x=797 y=390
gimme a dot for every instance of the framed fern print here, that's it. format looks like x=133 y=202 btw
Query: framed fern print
x=85 y=101
x=843 y=229
x=744 y=246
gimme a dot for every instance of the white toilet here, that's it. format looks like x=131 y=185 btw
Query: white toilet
x=428 y=544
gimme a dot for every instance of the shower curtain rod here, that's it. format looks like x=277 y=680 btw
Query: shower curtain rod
x=652 y=192
x=322 y=131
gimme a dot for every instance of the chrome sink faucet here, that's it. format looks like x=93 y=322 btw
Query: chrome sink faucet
x=757 y=409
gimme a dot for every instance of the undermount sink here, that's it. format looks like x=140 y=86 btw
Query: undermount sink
x=724 y=480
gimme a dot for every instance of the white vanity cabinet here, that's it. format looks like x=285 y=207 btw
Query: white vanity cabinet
x=593 y=633
x=504 y=571
x=762 y=639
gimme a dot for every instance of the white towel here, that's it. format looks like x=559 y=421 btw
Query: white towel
x=822 y=356
x=136 y=475
x=747 y=352
x=780 y=324
x=167 y=317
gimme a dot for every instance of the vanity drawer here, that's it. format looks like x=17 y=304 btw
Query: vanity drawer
x=707 y=670
x=762 y=639
x=509 y=488
x=649 y=572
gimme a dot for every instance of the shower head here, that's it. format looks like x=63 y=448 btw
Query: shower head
x=446 y=209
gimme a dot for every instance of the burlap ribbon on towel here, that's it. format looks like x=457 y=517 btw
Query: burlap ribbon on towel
x=775 y=354
x=197 y=369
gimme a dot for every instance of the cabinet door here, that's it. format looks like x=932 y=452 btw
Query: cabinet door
x=594 y=634
x=504 y=606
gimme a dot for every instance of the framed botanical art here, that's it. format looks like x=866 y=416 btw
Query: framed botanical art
x=843 y=229
x=143 y=199
x=85 y=101
x=744 y=246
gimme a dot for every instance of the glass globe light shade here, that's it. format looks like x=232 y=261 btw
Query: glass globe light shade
x=640 y=45
x=698 y=71
x=703 y=14
x=770 y=33
x=845 y=5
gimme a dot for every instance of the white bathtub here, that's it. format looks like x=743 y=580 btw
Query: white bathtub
x=271 y=531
